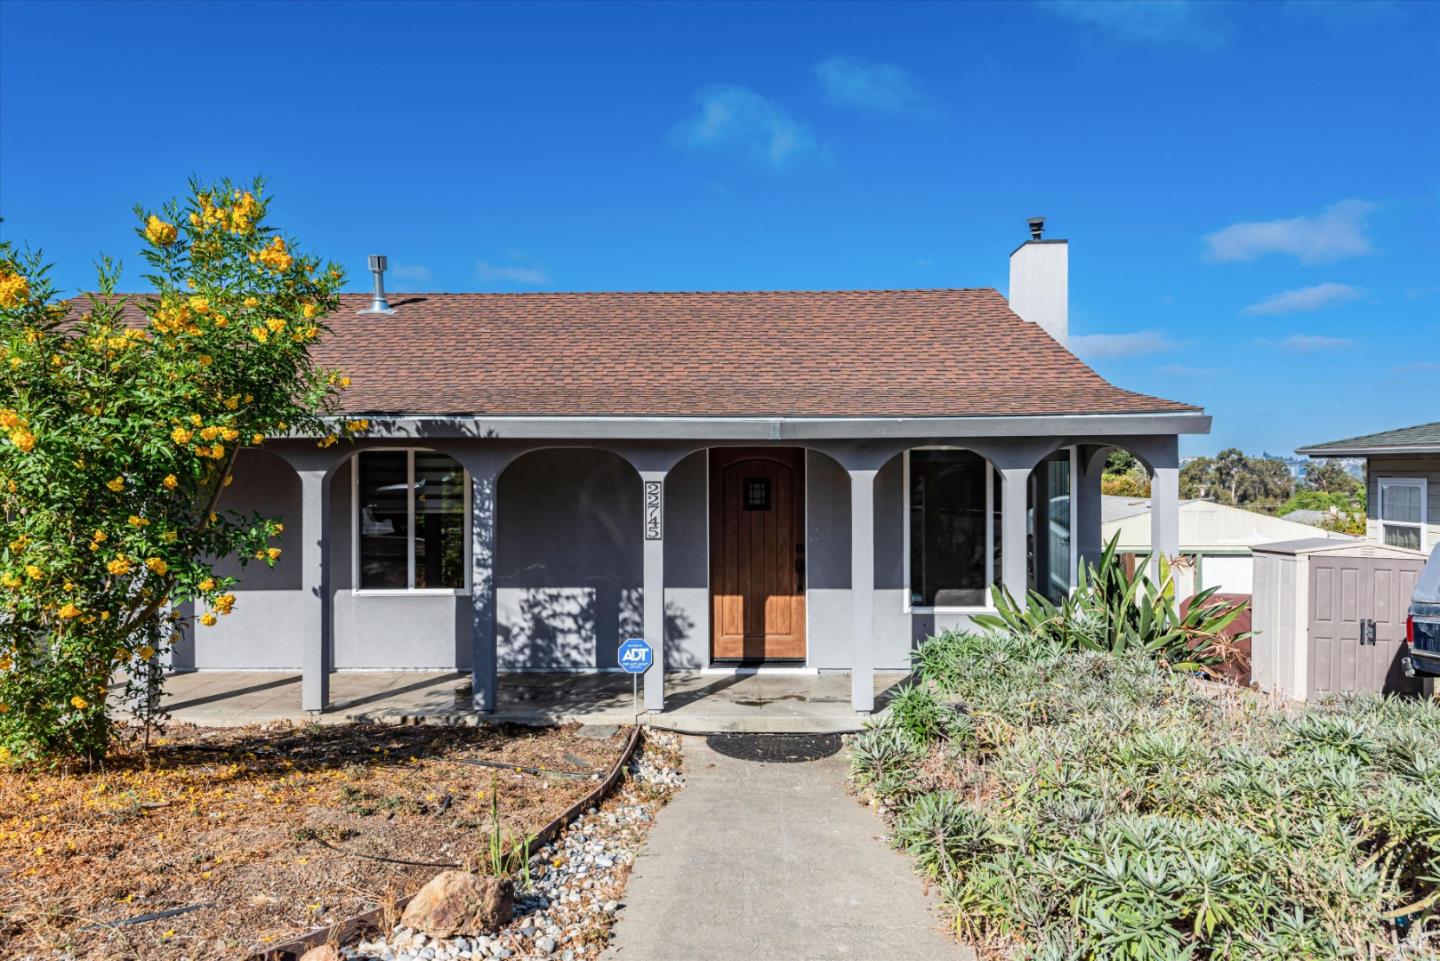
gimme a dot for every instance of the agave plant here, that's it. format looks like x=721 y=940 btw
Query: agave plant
x=1122 y=612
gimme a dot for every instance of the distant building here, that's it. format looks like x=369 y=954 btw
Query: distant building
x=1402 y=482
x=1216 y=538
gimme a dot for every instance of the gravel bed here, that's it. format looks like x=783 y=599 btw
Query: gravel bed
x=577 y=881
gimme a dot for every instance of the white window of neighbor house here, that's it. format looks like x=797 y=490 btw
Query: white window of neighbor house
x=410 y=521
x=1402 y=511
x=951 y=532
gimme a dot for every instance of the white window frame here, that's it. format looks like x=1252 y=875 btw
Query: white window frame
x=1420 y=482
x=355 y=587
x=990 y=534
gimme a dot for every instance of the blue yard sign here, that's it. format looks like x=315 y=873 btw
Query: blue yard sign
x=635 y=656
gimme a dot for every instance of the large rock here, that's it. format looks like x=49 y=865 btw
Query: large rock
x=324 y=952
x=457 y=902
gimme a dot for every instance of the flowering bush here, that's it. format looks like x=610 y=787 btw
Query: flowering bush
x=120 y=420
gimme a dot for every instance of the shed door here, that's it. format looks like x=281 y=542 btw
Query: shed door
x=1344 y=593
x=757 y=553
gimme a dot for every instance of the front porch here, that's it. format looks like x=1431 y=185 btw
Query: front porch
x=696 y=702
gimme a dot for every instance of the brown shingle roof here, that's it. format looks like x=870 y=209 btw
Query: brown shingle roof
x=860 y=353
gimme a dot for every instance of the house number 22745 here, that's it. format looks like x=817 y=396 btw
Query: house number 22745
x=653 y=530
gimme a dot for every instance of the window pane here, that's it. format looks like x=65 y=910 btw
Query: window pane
x=1400 y=502
x=1397 y=535
x=383 y=518
x=439 y=521
x=1057 y=556
x=947 y=528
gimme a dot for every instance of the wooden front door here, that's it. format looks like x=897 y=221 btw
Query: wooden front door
x=757 y=553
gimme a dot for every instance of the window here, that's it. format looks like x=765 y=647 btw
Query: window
x=952 y=528
x=1402 y=511
x=1050 y=562
x=411 y=530
x=757 y=493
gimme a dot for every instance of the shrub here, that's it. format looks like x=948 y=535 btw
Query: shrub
x=121 y=422
x=1121 y=811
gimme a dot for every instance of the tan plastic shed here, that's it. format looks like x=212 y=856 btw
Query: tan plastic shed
x=1329 y=616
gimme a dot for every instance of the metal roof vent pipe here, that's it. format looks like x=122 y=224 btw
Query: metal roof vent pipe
x=379 y=305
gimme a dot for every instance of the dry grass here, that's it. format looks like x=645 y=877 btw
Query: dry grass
x=242 y=821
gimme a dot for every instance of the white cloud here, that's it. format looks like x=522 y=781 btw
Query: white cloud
x=1180 y=370
x=1339 y=232
x=1152 y=21
x=513 y=274
x=738 y=120
x=870 y=86
x=1135 y=344
x=1306 y=298
x=410 y=273
x=1309 y=343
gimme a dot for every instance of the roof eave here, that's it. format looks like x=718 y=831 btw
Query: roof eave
x=1367 y=451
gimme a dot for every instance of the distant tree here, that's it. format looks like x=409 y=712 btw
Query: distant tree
x=1232 y=477
x=1124 y=476
x=1329 y=477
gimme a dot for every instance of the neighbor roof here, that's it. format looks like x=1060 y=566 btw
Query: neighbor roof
x=1420 y=439
x=862 y=353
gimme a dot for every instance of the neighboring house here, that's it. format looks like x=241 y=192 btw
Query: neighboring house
x=813 y=479
x=1215 y=537
x=1402 y=482
x=1309 y=518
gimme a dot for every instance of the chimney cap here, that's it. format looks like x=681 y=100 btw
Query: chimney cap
x=1037 y=227
x=378 y=303
x=377 y=262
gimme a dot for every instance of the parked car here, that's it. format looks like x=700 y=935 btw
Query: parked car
x=1422 y=627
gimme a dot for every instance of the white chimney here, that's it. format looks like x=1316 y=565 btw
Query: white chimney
x=1040 y=282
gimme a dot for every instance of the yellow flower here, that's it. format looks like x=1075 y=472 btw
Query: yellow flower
x=208 y=619
x=120 y=565
x=273 y=553
x=169 y=537
x=229 y=434
x=225 y=603
x=171 y=482
x=181 y=436
x=232 y=402
x=157 y=565
x=257 y=439
x=310 y=310
x=279 y=528
x=69 y=611
x=217 y=451
x=222 y=321
x=145 y=652
x=116 y=484
x=344 y=382
x=137 y=521
x=99 y=537
x=79 y=703
x=34 y=572
x=260 y=334
x=208 y=584
x=200 y=305
x=206 y=360
x=10 y=420
x=275 y=324
x=276 y=256
x=23 y=439
x=210 y=433
x=229 y=479
x=252 y=302
x=158 y=232
x=11 y=579
x=14 y=289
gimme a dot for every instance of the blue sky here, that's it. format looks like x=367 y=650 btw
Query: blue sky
x=1251 y=191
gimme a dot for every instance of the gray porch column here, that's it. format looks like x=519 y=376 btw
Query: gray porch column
x=652 y=486
x=1014 y=575
x=316 y=657
x=484 y=659
x=1165 y=514
x=862 y=590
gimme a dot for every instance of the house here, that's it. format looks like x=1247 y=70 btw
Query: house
x=1402 y=482
x=803 y=479
x=1216 y=538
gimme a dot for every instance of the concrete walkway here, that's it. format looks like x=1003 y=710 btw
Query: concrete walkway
x=695 y=701
x=771 y=859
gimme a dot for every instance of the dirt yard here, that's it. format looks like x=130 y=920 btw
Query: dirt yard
x=254 y=836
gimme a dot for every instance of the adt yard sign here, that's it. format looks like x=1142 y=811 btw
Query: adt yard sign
x=636 y=656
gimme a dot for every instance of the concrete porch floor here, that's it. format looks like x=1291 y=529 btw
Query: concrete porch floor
x=695 y=702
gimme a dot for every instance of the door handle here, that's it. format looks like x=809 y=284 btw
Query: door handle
x=1367 y=631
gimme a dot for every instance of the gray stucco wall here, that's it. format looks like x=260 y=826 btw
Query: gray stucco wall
x=568 y=573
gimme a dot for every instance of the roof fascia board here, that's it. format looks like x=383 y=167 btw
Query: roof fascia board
x=1368 y=451
x=786 y=428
